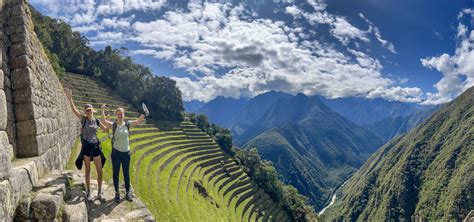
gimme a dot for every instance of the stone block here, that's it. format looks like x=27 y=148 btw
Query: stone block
x=75 y=212
x=5 y=162
x=19 y=38
x=22 y=78
x=20 y=62
x=5 y=201
x=17 y=10
x=23 y=210
x=28 y=146
x=25 y=95
x=24 y=112
x=45 y=206
x=17 y=2
x=28 y=127
x=19 y=49
x=3 y=111
x=17 y=21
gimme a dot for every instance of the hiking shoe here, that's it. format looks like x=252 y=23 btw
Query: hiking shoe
x=117 y=197
x=100 y=198
x=88 y=195
x=128 y=196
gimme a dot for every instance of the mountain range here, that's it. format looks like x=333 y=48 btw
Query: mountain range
x=427 y=174
x=315 y=143
x=312 y=147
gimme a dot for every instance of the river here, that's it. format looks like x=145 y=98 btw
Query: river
x=333 y=199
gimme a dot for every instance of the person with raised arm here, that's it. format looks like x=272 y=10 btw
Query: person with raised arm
x=90 y=149
x=121 y=147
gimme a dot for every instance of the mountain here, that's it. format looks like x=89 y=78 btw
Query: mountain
x=427 y=173
x=222 y=110
x=312 y=147
x=394 y=126
x=192 y=106
x=364 y=111
x=253 y=110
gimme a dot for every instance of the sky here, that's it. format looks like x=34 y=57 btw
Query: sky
x=411 y=51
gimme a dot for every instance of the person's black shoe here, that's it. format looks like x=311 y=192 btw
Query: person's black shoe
x=117 y=197
x=128 y=196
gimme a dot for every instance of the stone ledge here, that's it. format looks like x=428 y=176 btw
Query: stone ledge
x=46 y=206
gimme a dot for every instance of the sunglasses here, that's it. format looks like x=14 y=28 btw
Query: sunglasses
x=88 y=110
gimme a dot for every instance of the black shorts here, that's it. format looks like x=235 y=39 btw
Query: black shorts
x=90 y=149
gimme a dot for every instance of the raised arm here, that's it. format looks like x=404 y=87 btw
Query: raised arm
x=104 y=120
x=103 y=127
x=137 y=121
x=73 y=107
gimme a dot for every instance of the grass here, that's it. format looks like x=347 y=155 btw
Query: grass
x=166 y=163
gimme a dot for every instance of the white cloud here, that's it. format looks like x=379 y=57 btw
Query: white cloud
x=98 y=18
x=260 y=55
x=375 y=30
x=345 y=32
x=457 y=69
x=229 y=51
x=340 y=28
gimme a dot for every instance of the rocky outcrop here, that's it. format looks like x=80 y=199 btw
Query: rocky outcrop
x=37 y=129
x=56 y=197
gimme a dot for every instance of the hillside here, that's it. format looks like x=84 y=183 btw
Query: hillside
x=253 y=110
x=394 y=126
x=428 y=173
x=178 y=171
x=222 y=110
x=312 y=147
x=364 y=111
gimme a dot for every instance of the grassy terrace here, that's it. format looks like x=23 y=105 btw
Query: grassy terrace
x=179 y=172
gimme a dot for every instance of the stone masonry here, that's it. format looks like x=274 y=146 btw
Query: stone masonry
x=37 y=128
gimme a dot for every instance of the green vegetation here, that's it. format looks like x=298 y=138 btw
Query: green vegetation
x=261 y=171
x=312 y=147
x=221 y=135
x=427 y=174
x=179 y=172
x=68 y=51
x=265 y=175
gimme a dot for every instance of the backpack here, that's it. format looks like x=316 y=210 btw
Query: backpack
x=84 y=120
x=114 y=127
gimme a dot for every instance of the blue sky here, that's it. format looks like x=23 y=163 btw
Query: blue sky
x=413 y=51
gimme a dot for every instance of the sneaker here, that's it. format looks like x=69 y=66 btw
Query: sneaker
x=128 y=196
x=99 y=197
x=117 y=197
x=88 y=194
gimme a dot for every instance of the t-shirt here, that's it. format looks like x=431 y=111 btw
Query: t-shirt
x=121 y=140
x=89 y=132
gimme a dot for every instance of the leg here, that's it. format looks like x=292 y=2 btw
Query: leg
x=116 y=169
x=126 y=170
x=87 y=168
x=98 y=167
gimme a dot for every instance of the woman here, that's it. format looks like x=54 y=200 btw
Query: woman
x=90 y=142
x=121 y=147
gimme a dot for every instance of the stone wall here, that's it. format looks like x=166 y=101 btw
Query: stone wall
x=37 y=127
